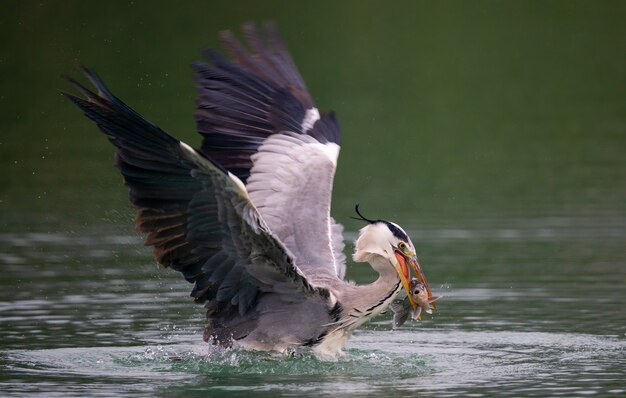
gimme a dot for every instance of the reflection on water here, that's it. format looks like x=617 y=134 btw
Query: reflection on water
x=102 y=317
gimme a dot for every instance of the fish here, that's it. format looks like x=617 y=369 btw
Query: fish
x=402 y=308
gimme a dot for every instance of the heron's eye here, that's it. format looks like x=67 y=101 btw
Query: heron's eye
x=402 y=245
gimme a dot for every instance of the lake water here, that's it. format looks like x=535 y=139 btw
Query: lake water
x=93 y=316
x=495 y=134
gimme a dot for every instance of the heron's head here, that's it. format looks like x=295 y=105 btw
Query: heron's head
x=386 y=239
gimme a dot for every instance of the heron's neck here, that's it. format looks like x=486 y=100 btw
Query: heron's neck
x=372 y=299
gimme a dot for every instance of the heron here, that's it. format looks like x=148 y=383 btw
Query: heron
x=245 y=217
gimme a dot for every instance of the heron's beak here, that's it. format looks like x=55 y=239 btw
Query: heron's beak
x=420 y=276
x=402 y=268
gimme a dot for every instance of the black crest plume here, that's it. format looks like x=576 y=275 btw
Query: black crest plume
x=362 y=218
x=397 y=232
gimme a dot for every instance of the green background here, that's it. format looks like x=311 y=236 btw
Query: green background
x=450 y=111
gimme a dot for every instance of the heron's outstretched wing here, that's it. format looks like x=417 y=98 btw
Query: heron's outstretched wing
x=259 y=122
x=291 y=184
x=197 y=215
x=244 y=101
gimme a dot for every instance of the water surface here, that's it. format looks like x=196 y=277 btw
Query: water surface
x=106 y=318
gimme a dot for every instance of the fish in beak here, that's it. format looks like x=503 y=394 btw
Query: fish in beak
x=402 y=308
x=423 y=300
x=420 y=276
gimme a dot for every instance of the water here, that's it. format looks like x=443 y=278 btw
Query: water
x=105 y=319
x=494 y=133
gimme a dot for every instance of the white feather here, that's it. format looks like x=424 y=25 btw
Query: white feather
x=311 y=116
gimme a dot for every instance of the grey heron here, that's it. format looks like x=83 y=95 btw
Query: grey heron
x=246 y=216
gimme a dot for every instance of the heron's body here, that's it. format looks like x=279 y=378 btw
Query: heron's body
x=246 y=216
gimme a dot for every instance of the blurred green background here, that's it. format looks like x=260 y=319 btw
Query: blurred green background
x=452 y=113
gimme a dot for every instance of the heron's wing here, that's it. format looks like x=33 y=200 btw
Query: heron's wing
x=258 y=121
x=336 y=231
x=243 y=101
x=291 y=184
x=197 y=215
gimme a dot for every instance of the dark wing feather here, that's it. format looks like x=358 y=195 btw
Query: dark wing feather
x=198 y=218
x=160 y=186
x=244 y=101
